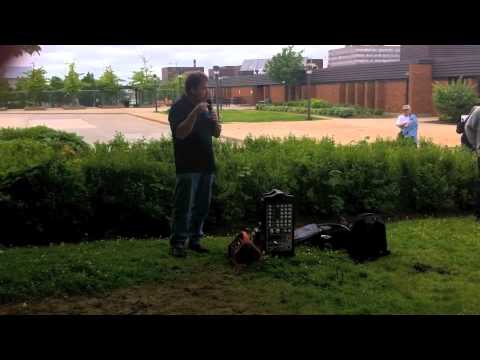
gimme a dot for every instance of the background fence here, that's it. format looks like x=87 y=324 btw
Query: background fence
x=90 y=98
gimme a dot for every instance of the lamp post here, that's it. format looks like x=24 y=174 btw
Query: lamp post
x=179 y=77
x=155 y=80
x=216 y=72
x=309 y=67
x=220 y=78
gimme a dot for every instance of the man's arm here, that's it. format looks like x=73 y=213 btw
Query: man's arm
x=186 y=126
x=217 y=128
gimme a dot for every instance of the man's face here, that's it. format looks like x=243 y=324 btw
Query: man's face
x=406 y=112
x=200 y=93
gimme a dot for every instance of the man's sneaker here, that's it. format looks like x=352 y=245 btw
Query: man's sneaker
x=178 y=252
x=198 y=248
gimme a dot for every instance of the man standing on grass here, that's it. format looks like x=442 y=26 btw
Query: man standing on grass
x=472 y=134
x=193 y=126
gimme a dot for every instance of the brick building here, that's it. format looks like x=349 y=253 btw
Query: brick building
x=385 y=86
x=225 y=71
x=171 y=72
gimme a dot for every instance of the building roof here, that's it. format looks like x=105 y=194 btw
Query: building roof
x=456 y=66
x=13 y=72
x=248 y=80
x=362 y=72
x=466 y=66
x=253 y=64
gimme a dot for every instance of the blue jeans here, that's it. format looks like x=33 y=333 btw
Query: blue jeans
x=193 y=194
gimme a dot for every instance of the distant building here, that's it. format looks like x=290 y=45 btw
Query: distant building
x=363 y=54
x=386 y=86
x=12 y=73
x=257 y=66
x=171 y=72
x=225 y=71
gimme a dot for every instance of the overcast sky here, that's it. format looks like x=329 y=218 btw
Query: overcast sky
x=127 y=58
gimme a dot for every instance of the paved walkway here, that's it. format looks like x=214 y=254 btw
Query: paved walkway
x=342 y=130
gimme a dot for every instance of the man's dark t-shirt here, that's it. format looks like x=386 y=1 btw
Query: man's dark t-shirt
x=195 y=152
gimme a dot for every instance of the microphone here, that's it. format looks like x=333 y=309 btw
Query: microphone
x=209 y=105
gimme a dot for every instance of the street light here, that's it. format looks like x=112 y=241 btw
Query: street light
x=220 y=78
x=309 y=67
x=155 y=80
x=179 y=77
x=216 y=72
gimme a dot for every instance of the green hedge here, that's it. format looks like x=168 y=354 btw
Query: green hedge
x=126 y=189
x=337 y=111
x=315 y=103
x=58 y=140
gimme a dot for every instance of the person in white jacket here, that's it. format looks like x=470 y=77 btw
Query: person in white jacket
x=408 y=124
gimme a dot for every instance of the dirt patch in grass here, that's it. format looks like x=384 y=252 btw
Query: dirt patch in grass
x=201 y=294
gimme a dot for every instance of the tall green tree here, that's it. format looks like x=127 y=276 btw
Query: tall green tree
x=109 y=83
x=7 y=52
x=143 y=79
x=56 y=83
x=72 y=84
x=89 y=82
x=33 y=83
x=287 y=67
x=173 y=88
x=4 y=91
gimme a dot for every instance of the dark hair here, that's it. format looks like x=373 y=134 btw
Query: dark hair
x=194 y=80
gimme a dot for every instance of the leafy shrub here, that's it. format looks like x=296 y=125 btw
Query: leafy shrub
x=129 y=189
x=454 y=100
x=338 y=111
x=121 y=188
x=42 y=196
x=58 y=140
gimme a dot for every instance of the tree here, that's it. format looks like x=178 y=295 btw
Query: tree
x=88 y=98
x=110 y=84
x=173 y=87
x=143 y=79
x=33 y=83
x=4 y=91
x=7 y=52
x=89 y=82
x=454 y=100
x=286 y=66
x=56 y=83
x=72 y=84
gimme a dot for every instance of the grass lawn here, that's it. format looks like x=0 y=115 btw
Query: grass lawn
x=433 y=269
x=260 y=116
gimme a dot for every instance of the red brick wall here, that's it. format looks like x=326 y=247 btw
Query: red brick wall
x=420 y=88
x=247 y=94
x=369 y=99
x=350 y=93
x=395 y=95
x=379 y=94
x=328 y=92
x=277 y=93
x=359 y=93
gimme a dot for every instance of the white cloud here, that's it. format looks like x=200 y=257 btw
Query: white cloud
x=125 y=59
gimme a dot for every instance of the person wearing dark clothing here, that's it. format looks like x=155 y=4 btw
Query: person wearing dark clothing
x=470 y=130
x=192 y=126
